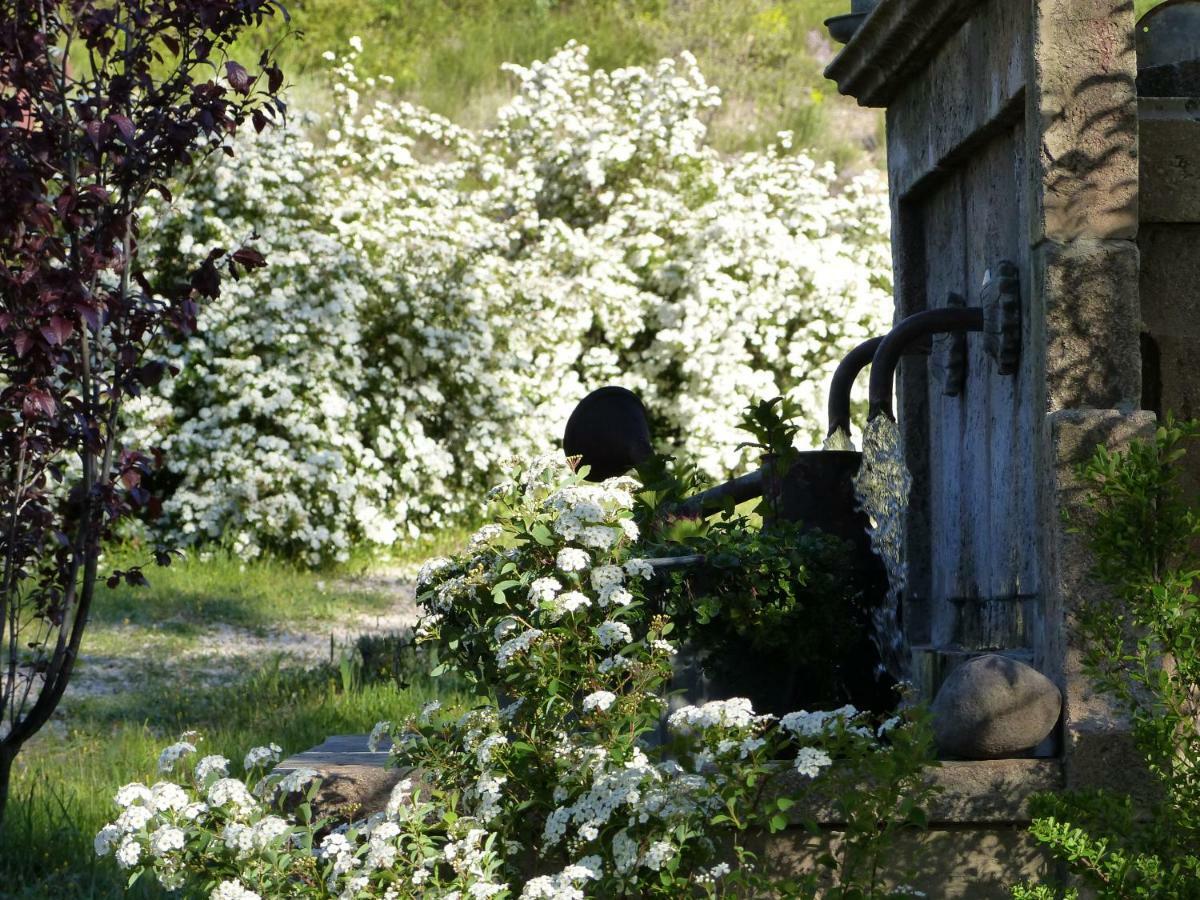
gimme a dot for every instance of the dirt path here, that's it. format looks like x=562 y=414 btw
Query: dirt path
x=125 y=655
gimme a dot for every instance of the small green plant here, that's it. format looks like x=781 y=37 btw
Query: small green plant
x=1141 y=643
x=772 y=425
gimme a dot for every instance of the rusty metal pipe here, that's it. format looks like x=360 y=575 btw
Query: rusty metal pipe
x=843 y=382
x=915 y=327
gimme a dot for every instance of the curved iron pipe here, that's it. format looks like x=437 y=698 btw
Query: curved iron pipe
x=740 y=489
x=916 y=326
x=843 y=382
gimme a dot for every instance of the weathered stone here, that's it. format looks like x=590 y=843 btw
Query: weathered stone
x=993 y=706
x=1169 y=160
x=1082 y=121
x=949 y=864
x=1096 y=743
x=977 y=844
x=356 y=782
x=1088 y=291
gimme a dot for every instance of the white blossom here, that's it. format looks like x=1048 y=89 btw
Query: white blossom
x=172 y=754
x=395 y=296
x=811 y=760
x=261 y=756
x=233 y=890
x=599 y=701
x=612 y=633
x=514 y=646
x=572 y=559
x=166 y=839
x=211 y=765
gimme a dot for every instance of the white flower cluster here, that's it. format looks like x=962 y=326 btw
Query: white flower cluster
x=550 y=792
x=437 y=299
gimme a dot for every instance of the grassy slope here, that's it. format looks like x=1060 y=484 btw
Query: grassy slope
x=766 y=55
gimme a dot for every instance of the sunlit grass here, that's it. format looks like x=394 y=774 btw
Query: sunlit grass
x=65 y=780
x=767 y=56
x=199 y=589
x=66 y=776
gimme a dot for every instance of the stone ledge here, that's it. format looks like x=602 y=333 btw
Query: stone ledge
x=972 y=793
x=988 y=792
x=355 y=781
x=897 y=39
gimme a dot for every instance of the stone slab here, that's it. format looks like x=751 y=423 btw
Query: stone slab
x=356 y=782
x=1082 y=121
x=990 y=792
x=975 y=846
x=1169 y=159
x=945 y=863
x=1097 y=748
x=970 y=793
x=1087 y=291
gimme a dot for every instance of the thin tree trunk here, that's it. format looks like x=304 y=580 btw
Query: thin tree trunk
x=6 y=767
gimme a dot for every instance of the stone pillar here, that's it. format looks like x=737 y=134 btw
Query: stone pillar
x=1012 y=134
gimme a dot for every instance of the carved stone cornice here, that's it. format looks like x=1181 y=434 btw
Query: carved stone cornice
x=897 y=39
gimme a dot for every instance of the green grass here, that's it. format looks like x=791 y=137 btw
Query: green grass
x=64 y=783
x=66 y=776
x=200 y=589
x=195 y=592
x=766 y=55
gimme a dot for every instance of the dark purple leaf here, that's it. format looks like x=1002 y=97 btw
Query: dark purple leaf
x=239 y=78
x=124 y=126
x=57 y=330
x=249 y=258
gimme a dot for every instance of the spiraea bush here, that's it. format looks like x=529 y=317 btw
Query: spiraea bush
x=437 y=298
x=548 y=787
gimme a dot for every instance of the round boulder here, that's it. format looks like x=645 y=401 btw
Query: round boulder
x=991 y=707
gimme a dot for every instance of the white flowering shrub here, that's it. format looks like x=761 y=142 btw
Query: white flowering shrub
x=438 y=299
x=553 y=786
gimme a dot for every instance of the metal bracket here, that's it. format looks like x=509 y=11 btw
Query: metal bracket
x=954 y=368
x=1000 y=298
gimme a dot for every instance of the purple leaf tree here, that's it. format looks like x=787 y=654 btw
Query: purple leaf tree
x=101 y=103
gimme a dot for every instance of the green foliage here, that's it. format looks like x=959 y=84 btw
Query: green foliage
x=1144 y=6
x=64 y=784
x=195 y=591
x=544 y=787
x=1141 y=645
x=772 y=427
x=778 y=596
